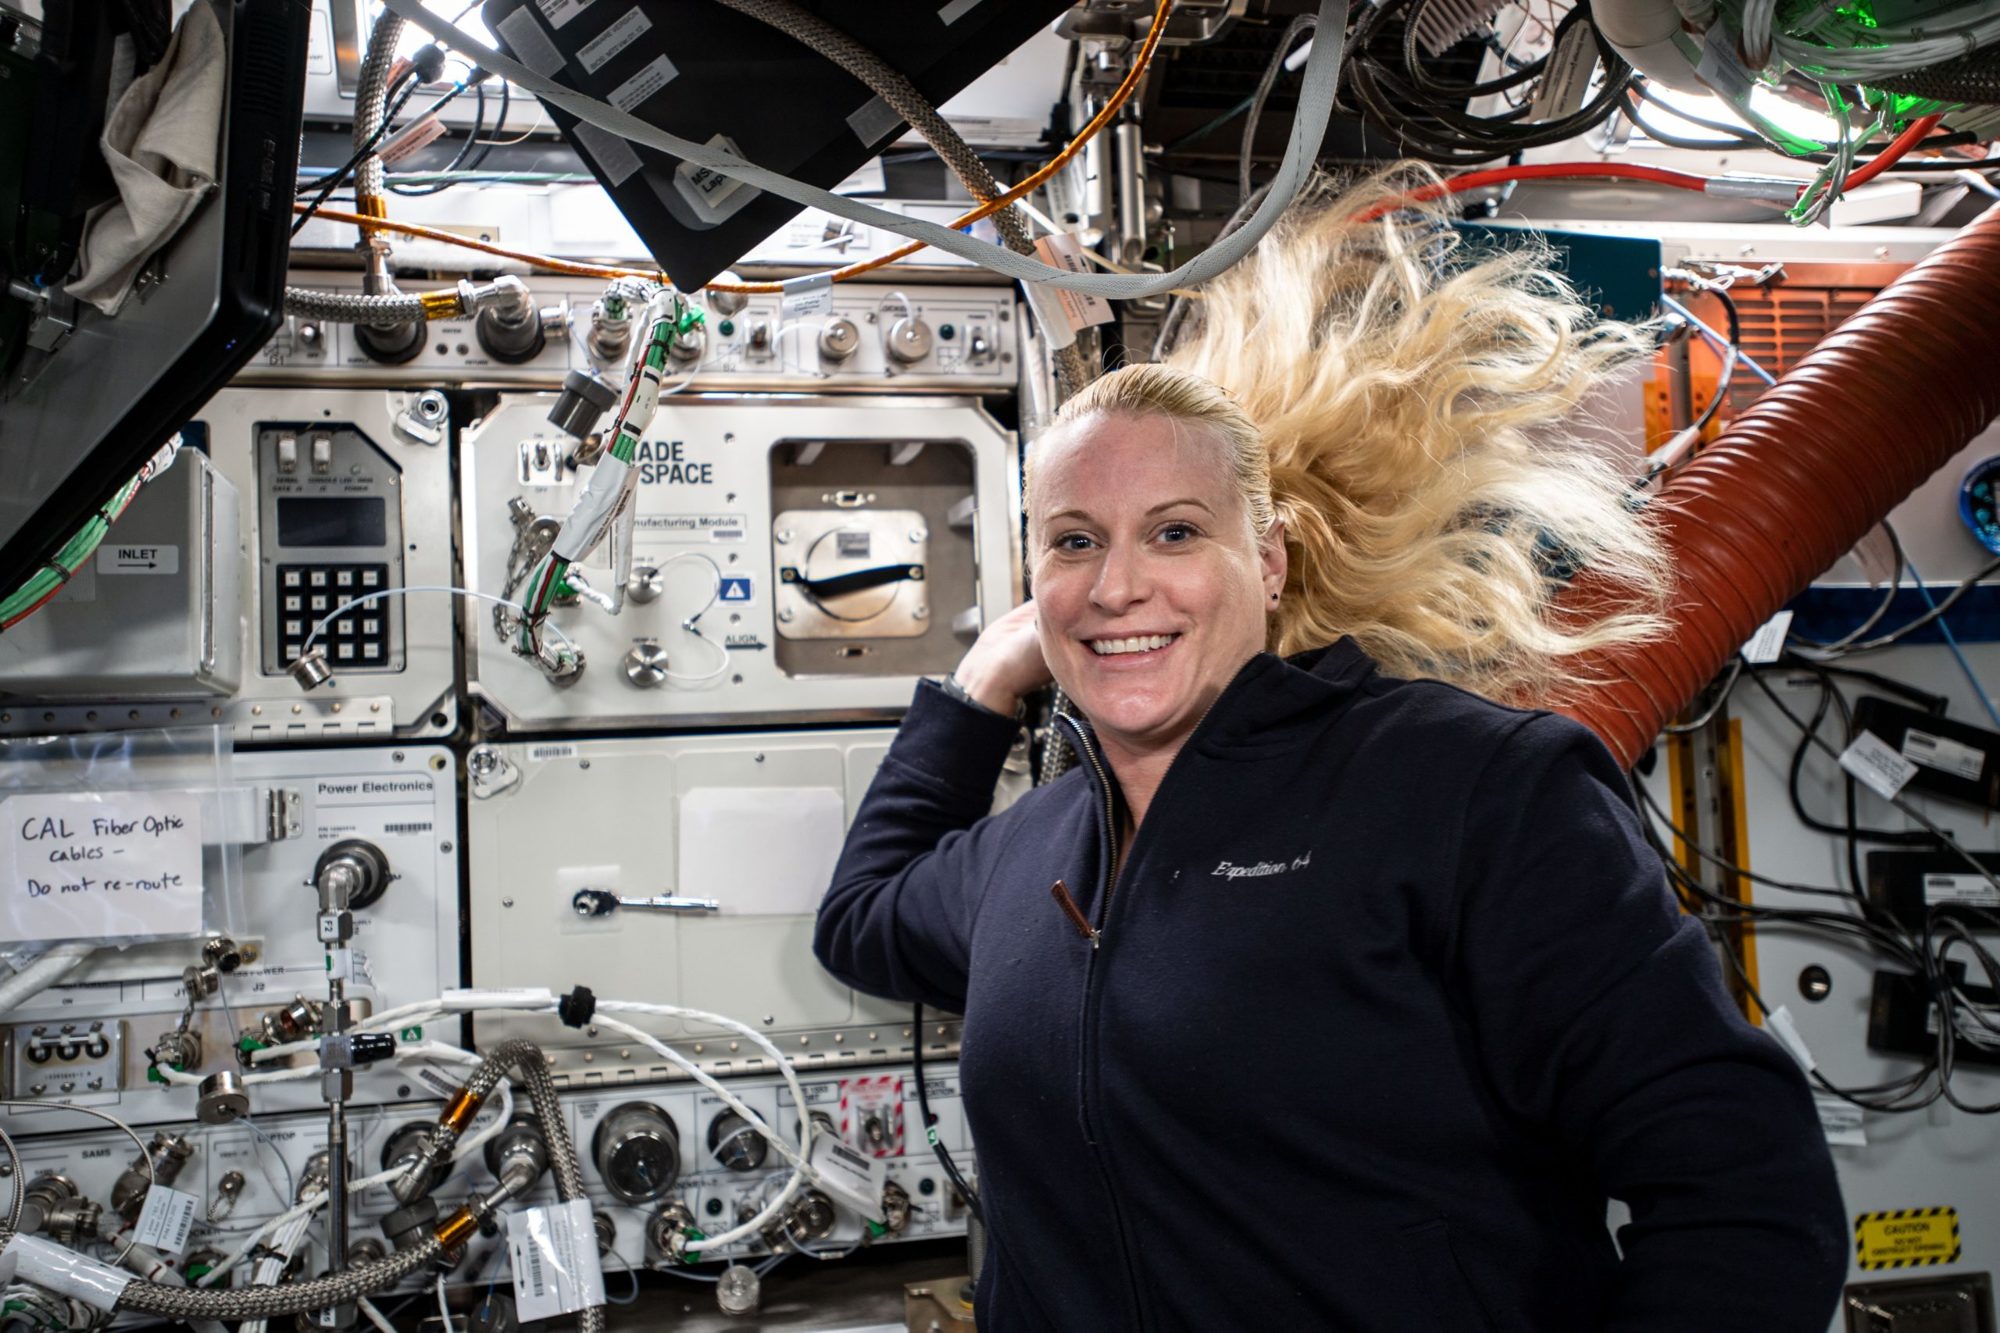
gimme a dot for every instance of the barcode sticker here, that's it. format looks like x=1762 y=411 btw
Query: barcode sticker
x=554 y=1253
x=657 y=74
x=856 y=1178
x=1721 y=68
x=165 y=1220
x=1878 y=767
x=413 y=826
x=1971 y=890
x=594 y=54
x=553 y=750
x=1947 y=756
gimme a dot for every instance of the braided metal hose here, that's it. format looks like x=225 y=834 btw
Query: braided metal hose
x=192 y=1303
x=371 y=104
x=354 y=308
x=344 y=1288
x=1974 y=77
x=888 y=83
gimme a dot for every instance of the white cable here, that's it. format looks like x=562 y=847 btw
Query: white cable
x=688 y=625
x=1309 y=124
x=58 y=962
x=374 y=1316
x=444 y=1305
x=801 y=1160
x=466 y=1146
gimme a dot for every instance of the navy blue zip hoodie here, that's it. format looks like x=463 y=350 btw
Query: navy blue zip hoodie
x=1389 y=997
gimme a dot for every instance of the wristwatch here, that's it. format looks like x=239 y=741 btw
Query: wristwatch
x=949 y=684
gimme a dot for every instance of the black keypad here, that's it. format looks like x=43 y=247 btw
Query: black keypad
x=359 y=638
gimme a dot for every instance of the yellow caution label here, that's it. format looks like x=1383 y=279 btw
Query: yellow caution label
x=1906 y=1238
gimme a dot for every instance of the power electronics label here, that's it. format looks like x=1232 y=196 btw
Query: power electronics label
x=374 y=805
x=1906 y=1238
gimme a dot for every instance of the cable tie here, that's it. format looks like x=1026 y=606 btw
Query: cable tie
x=576 y=1008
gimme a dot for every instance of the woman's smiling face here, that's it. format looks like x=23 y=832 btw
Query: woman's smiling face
x=1152 y=587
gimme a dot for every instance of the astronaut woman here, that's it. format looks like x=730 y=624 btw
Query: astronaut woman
x=1333 y=988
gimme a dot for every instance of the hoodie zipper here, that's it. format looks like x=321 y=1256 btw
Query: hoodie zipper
x=1087 y=1037
x=1087 y=1040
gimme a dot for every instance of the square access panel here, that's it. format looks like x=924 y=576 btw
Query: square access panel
x=1962 y=1303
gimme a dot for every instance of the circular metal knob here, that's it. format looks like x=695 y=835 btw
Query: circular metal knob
x=735 y=1144
x=638 y=1152
x=688 y=346
x=645 y=585
x=838 y=339
x=646 y=665
x=909 y=340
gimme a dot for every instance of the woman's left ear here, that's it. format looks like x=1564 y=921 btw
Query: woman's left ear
x=1271 y=558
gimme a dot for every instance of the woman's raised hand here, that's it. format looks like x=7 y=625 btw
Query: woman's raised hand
x=1005 y=664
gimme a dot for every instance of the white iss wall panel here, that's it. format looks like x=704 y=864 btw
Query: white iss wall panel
x=735 y=499
x=753 y=821
x=404 y=801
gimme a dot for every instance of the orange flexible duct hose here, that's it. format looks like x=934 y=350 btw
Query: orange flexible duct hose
x=1792 y=484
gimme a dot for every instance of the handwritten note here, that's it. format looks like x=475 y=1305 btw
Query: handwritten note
x=88 y=866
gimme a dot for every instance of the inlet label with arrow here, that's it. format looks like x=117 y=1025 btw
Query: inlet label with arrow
x=138 y=559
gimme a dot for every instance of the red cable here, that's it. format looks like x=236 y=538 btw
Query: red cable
x=1912 y=135
x=1888 y=157
x=1473 y=180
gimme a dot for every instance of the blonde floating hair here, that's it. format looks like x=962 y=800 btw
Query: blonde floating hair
x=1408 y=409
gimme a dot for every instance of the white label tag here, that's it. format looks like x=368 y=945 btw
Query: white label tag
x=101 y=866
x=504 y=997
x=551 y=750
x=806 y=297
x=657 y=74
x=1947 y=756
x=418 y=136
x=871 y=120
x=1769 y=641
x=1876 y=766
x=613 y=156
x=856 y=1178
x=554 y=1253
x=594 y=54
x=712 y=194
x=1876 y=555
x=1566 y=78
x=1843 y=1123
x=1720 y=67
x=1972 y=890
x=525 y=36
x=559 y=12
x=165 y=1220
x=1779 y=1024
x=1061 y=250
x=138 y=559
